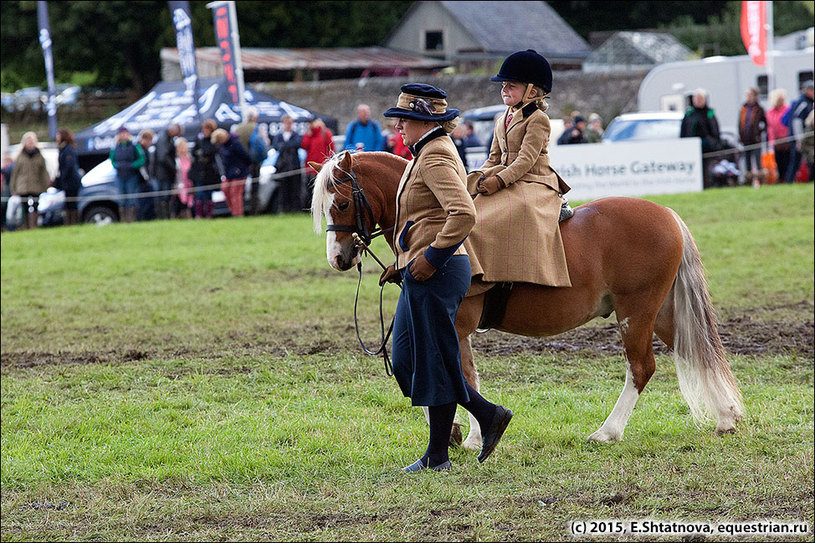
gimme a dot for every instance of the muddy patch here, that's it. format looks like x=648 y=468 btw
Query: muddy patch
x=740 y=335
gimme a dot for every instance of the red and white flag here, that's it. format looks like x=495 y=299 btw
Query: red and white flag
x=754 y=30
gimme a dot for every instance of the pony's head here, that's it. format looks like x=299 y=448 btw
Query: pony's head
x=333 y=198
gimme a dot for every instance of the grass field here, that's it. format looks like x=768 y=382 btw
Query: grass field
x=200 y=381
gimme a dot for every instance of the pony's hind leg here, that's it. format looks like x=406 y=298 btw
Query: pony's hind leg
x=466 y=322
x=636 y=331
x=473 y=441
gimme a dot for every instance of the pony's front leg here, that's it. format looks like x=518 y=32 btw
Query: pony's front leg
x=473 y=441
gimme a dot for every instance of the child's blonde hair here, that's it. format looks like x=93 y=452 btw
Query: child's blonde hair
x=540 y=101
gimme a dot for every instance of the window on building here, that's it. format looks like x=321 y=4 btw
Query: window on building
x=433 y=40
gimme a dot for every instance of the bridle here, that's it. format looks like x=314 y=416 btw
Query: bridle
x=363 y=215
x=361 y=208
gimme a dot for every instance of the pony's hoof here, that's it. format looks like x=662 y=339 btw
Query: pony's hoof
x=602 y=437
x=472 y=444
x=456 y=436
x=720 y=431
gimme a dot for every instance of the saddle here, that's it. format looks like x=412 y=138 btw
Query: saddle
x=495 y=305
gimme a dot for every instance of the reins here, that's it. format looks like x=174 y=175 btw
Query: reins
x=362 y=238
x=383 y=349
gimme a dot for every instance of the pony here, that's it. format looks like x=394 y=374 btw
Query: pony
x=627 y=256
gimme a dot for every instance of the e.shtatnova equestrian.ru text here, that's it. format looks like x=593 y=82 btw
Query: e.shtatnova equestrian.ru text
x=649 y=527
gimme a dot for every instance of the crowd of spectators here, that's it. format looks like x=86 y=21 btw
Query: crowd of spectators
x=164 y=176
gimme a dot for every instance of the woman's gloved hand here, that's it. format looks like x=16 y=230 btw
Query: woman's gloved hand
x=390 y=275
x=490 y=185
x=422 y=269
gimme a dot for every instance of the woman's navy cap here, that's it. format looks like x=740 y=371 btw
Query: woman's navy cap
x=422 y=102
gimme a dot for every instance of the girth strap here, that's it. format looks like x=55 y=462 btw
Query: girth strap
x=495 y=305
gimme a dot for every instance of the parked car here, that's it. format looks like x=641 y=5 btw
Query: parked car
x=67 y=94
x=26 y=98
x=8 y=100
x=99 y=196
x=644 y=126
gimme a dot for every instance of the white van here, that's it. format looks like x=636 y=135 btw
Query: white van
x=669 y=86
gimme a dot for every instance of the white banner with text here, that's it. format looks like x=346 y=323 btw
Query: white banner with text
x=596 y=170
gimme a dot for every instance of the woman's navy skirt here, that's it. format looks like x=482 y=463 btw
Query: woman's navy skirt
x=426 y=355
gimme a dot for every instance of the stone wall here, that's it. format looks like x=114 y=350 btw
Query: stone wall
x=606 y=94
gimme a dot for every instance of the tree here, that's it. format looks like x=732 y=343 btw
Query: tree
x=120 y=41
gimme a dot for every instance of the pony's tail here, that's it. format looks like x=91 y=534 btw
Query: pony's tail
x=705 y=378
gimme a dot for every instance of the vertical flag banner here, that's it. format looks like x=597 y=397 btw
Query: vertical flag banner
x=186 y=49
x=223 y=37
x=754 y=30
x=45 y=42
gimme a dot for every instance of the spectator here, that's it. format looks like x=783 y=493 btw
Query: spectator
x=205 y=170
x=389 y=135
x=777 y=132
x=186 y=199
x=127 y=158
x=68 y=178
x=364 y=133
x=287 y=142
x=800 y=109
x=568 y=125
x=576 y=133
x=147 y=180
x=29 y=179
x=319 y=146
x=700 y=122
x=808 y=144
x=256 y=142
x=165 y=171
x=5 y=180
x=458 y=134
x=594 y=132
x=752 y=125
x=236 y=162
x=470 y=139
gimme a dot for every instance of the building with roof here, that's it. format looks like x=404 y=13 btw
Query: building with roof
x=271 y=64
x=472 y=34
x=635 y=51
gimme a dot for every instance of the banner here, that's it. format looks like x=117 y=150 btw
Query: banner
x=229 y=49
x=45 y=42
x=754 y=30
x=186 y=48
x=597 y=170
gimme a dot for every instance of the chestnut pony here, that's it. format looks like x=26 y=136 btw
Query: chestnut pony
x=625 y=255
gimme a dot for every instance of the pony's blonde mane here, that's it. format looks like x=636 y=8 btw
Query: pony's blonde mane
x=322 y=198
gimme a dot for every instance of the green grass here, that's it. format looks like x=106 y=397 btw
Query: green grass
x=197 y=381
